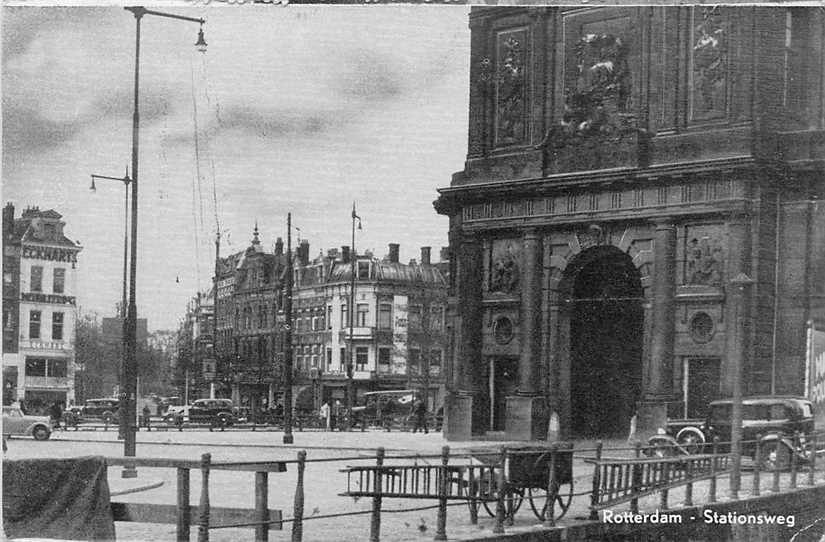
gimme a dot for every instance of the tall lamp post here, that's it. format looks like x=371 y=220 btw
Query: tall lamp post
x=130 y=366
x=287 y=374
x=351 y=361
x=126 y=182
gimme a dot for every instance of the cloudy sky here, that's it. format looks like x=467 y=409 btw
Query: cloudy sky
x=302 y=109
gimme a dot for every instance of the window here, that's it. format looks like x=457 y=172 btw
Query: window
x=436 y=317
x=361 y=358
x=414 y=360
x=329 y=316
x=363 y=311
x=57 y=368
x=329 y=358
x=57 y=326
x=344 y=321
x=34 y=325
x=35 y=367
x=344 y=359
x=37 y=279
x=384 y=359
x=59 y=282
x=315 y=361
x=435 y=357
x=385 y=316
x=414 y=316
x=363 y=270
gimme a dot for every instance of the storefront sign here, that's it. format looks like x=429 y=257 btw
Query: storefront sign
x=53 y=299
x=55 y=254
x=44 y=345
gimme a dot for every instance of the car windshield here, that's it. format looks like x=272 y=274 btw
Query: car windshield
x=721 y=414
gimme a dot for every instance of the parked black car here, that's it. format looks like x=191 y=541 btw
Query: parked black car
x=215 y=411
x=770 y=421
x=106 y=409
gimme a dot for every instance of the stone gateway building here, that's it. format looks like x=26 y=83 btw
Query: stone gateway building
x=639 y=223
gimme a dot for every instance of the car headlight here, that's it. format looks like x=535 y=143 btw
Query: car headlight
x=661 y=431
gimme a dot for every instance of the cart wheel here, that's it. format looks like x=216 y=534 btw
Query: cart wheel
x=538 y=500
x=512 y=502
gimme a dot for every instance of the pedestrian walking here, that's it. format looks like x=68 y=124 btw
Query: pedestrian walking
x=420 y=413
x=146 y=413
x=337 y=410
x=55 y=413
x=325 y=415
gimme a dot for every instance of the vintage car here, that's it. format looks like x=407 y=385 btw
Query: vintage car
x=215 y=411
x=770 y=421
x=105 y=409
x=16 y=423
x=385 y=408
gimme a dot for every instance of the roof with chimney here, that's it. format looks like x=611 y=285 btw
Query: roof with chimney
x=32 y=228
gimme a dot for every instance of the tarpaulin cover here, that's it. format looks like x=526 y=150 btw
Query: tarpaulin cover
x=67 y=499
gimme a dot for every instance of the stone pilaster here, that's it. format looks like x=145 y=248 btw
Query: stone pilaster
x=739 y=256
x=526 y=416
x=465 y=415
x=652 y=411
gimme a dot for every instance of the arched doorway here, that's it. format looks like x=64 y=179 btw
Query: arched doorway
x=606 y=319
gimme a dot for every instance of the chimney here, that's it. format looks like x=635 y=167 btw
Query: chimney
x=279 y=246
x=425 y=255
x=445 y=254
x=394 y=252
x=345 y=254
x=8 y=220
x=303 y=253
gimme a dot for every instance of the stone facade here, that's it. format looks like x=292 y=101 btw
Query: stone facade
x=637 y=219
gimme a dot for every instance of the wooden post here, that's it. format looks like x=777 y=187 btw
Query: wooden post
x=444 y=481
x=501 y=490
x=203 y=507
x=262 y=506
x=375 y=523
x=812 y=455
x=636 y=476
x=666 y=476
x=713 y=467
x=473 y=490
x=552 y=488
x=298 y=513
x=184 y=517
x=775 y=486
x=594 y=497
x=689 y=485
x=794 y=459
x=757 y=466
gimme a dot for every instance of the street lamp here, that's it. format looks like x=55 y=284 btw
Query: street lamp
x=287 y=375
x=126 y=182
x=351 y=362
x=130 y=365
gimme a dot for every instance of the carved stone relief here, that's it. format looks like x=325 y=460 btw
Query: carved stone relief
x=505 y=267
x=704 y=256
x=511 y=81
x=710 y=35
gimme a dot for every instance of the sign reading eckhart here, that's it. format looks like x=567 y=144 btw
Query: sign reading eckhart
x=55 y=254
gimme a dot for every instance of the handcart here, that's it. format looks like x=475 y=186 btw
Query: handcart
x=527 y=476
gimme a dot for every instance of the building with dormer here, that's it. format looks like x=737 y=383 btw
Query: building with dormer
x=39 y=308
x=638 y=228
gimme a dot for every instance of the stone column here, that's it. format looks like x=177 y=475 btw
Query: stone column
x=738 y=263
x=526 y=417
x=652 y=411
x=465 y=416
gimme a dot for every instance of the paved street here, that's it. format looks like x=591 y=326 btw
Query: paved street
x=323 y=481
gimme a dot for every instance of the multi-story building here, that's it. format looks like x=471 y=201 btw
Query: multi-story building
x=636 y=226
x=39 y=308
x=396 y=339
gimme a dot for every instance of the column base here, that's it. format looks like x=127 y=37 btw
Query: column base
x=460 y=418
x=526 y=418
x=651 y=415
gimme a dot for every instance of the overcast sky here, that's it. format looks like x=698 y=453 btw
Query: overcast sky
x=300 y=109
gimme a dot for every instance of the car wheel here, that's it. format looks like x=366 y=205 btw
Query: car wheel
x=223 y=420
x=690 y=441
x=661 y=448
x=108 y=417
x=775 y=456
x=40 y=433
